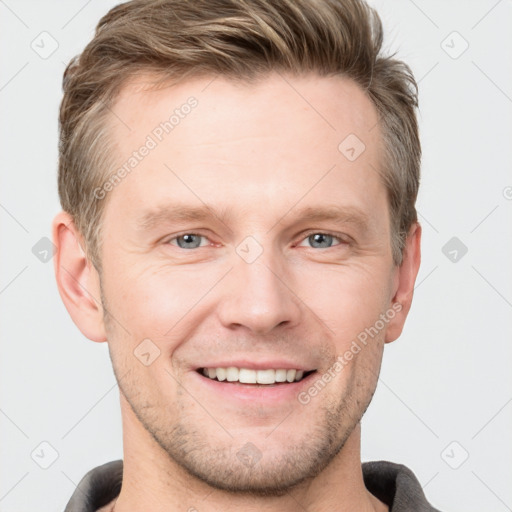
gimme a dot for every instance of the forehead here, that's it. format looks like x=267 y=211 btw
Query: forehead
x=281 y=135
x=336 y=106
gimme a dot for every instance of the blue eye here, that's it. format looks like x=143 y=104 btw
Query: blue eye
x=323 y=239
x=190 y=240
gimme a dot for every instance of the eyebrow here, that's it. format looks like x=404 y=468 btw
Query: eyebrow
x=178 y=213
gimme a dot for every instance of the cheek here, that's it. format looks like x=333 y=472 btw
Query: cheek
x=160 y=303
x=157 y=303
x=348 y=300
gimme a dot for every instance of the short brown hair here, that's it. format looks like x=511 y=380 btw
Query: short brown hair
x=239 y=39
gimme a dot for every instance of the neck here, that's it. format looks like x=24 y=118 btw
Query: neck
x=153 y=481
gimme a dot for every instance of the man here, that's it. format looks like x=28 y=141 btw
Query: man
x=238 y=182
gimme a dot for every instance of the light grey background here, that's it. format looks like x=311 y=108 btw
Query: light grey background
x=445 y=390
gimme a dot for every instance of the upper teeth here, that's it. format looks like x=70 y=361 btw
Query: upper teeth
x=247 y=376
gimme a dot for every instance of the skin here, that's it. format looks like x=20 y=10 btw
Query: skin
x=264 y=151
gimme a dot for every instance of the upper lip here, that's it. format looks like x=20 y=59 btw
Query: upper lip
x=257 y=365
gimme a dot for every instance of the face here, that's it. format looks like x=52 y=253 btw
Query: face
x=247 y=237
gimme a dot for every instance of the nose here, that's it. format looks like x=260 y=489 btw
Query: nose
x=260 y=296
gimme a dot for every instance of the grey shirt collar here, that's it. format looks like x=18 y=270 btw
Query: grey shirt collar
x=393 y=484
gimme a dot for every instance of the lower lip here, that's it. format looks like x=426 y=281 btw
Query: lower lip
x=256 y=393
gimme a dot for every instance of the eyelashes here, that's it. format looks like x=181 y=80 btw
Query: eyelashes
x=195 y=238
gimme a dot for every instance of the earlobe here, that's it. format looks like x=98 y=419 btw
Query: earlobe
x=77 y=279
x=405 y=280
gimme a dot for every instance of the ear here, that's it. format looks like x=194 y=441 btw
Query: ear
x=77 y=279
x=403 y=286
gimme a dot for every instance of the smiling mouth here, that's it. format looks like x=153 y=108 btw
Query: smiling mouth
x=262 y=378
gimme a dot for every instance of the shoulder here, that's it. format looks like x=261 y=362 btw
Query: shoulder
x=99 y=487
x=396 y=485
